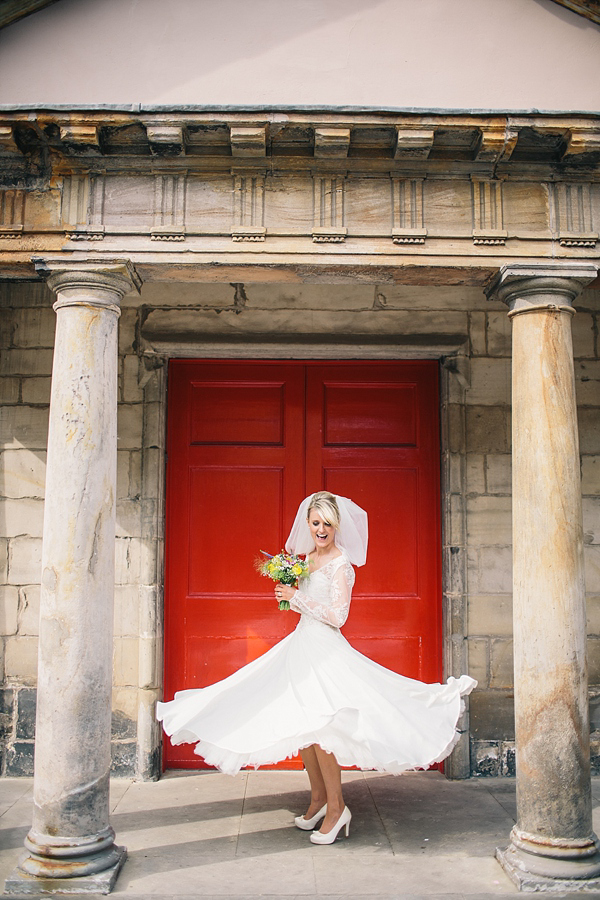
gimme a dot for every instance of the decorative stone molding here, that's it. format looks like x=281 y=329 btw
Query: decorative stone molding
x=8 y=146
x=248 y=140
x=83 y=207
x=248 y=206
x=169 y=208
x=583 y=141
x=12 y=213
x=413 y=142
x=332 y=143
x=328 y=209
x=571 y=214
x=408 y=217
x=488 y=212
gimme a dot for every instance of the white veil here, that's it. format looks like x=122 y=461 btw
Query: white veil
x=351 y=537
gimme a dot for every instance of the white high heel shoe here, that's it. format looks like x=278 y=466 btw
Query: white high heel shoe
x=317 y=837
x=309 y=824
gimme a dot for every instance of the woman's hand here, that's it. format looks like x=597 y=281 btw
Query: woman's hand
x=284 y=592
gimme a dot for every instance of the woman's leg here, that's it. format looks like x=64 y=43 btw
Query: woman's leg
x=332 y=777
x=318 y=792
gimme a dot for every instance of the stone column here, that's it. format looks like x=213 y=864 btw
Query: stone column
x=71 y=837
x=553 y=846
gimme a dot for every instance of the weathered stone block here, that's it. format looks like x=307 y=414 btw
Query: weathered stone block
x=490 y=614
x=455 y=428
x=498 y=473
x=591 y=561
x=127 y=560
x=21 y=658
x=475 y=473
x=129 y=426
x=125 y=703
x=583 y=335
x=501 y=664
x=154 y=426
x=36 y=389
x=7 y=705
x=489 y=521
x=488 y=429
x=22 y=516
x=485 y=758
x=591 y=520
x=587 y=382
x=590 y=474
x=593 y=651
x=127 y=610
x=23 y=473
x=589 y=430
x=127 y=330
x=129 y=518
x=26 y=706
x=23 y=426
x=593 y=614
x=149 y=479
x=19 y=758
x=26 y=362
x=125 y=661
x=495 y=570
x=491 y=715
x=123 y=757
x=453 y=473
x=478 y=665
x=454 y=570
x=454 y=530
x=3 y=560
x=24 y=560
x=9 y=390
x=122 y=726
x=490 y=382
x=34 y=327
x=595 y=712
x=509 y=759
x=123 y=457
x=477 y=333
x=132 y=392
x=9 y=606
x=135 y=471
x=29 y=609
x=499 y=334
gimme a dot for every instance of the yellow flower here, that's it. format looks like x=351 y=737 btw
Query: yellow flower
x=297 y=570
x=271 y=568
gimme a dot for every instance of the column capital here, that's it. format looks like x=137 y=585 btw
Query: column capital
x=535 y=286
x=110 y=278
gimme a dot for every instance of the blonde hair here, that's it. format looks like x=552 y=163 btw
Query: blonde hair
x=326 y=504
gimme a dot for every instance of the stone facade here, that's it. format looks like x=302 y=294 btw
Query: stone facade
x=472 y=338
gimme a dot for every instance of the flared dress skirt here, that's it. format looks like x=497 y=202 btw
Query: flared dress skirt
x=313 y=687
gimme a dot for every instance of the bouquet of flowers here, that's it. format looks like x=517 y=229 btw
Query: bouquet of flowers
x=285 y=568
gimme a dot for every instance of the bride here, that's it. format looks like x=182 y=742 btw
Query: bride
x=313 y=693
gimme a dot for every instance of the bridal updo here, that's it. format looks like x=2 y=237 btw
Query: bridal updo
x=325 y=504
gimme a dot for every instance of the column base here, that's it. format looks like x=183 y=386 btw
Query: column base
x=19 y=882
x=565 y=880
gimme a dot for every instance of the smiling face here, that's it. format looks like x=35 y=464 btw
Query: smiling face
x=321 y=531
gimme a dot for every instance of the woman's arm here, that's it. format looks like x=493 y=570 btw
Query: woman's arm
x=336 y=611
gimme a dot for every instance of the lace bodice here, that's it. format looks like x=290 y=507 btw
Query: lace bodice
x=325 y=594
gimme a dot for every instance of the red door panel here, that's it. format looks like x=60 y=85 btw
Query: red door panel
x=246 y=442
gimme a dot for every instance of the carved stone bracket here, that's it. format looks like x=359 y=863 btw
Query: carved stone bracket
x=165 y=140
x=332 y=143
x=248 y=140
x=487 y=212
x=328 y=200
x=413 y=143
x=497 y=143
x=81 y=138
x=248 y=206
x=408 y=218
x=571 y=214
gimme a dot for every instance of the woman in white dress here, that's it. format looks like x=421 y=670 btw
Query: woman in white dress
x=313 y=693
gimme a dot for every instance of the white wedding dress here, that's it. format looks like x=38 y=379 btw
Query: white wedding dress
x=314 y=688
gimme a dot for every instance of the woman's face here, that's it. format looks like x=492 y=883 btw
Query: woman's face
x=322 y=533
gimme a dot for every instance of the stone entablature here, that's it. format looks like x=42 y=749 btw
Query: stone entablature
x=438 y=190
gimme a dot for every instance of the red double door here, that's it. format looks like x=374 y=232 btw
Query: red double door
x=247 y=441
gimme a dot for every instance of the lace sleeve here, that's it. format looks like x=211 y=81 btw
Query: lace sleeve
x=334 y=610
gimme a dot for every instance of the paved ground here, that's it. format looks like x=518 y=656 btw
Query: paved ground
x=208 y=835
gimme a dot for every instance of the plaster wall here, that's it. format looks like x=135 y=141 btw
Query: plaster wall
x=476 y=489
x=452 y=54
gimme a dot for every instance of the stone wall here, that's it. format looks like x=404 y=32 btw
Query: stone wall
x=472 y=338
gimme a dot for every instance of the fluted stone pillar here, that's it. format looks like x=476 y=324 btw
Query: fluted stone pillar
x=552 y=846
x=71 y=838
